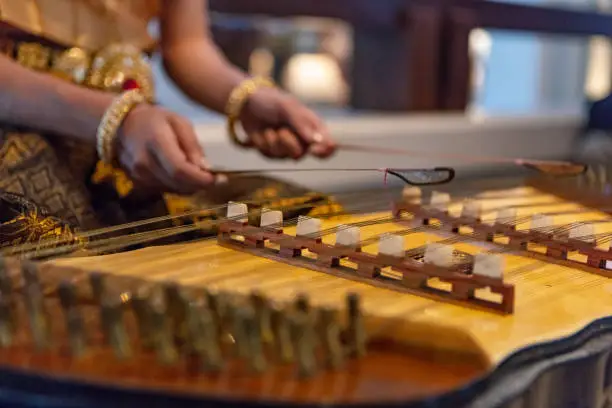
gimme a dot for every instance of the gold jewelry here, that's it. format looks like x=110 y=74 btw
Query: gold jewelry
x=111 y=121
x=236 y=101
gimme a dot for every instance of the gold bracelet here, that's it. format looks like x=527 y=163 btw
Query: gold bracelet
x=236 y=101
x=112 y=120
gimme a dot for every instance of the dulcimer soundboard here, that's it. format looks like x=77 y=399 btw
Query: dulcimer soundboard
x=499 y=299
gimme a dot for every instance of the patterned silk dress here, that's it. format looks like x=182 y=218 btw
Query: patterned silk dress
x=49 y=186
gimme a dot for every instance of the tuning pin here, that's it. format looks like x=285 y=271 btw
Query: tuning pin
x=163 y=339
x=541 y=222
x=412 y=194
x=112 y=310
x=590 y=176
x=252 y=328
x=75 y=325
x=262 y=311
x=348 y=236
x=356 y=329
x=3 y=267
x=282 y=334
x=6 y=292
x=304 y=344
x=7 y=324
x=439 y=255
x=238 y=212
x=238 y=330
x=40 y=323
x=330 y=334
x=472 y=209
x=602 y=175
x=97 y=281
x=176 y=309
x=583 y=232
x=215 y=304
x=142 y=312
x=308 y=227
x=489 y=265
x=302 y=303
x=440 y=201
x=271 y=219
x=204 y=338
x=29 y=271
x=507 y=216
x=391 y=245
x=66 y=292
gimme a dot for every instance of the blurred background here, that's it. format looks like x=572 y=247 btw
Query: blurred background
x=502 y=77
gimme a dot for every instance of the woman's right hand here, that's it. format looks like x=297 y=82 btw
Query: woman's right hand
x=159 y=149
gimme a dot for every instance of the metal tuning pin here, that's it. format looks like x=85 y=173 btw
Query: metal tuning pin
x=348 y=236
x=412 y=194
x=40 y=322
x=391 y=245
x=238 y=212
x=7 y=325
x=330 y=335
x=356 y=329
x=142 y=312
x=163 y=338
x=602 y=175
x=303 y=340
x=67 y=295
x=97 y=282
x=4 y=272
x=204 y=339
x=590 y=176
x=440 y=201
x=308 y=227
x=7 y=294
x=256 y=357
x=216 y=306
x=112 y=309
x=75 y=323
x=236 y=317
x=583 y=232
x=29 y=271
x=176 y=309
x=282 y=334
x=489 y=265
x=302 y=303
x=261 y=305
x=439 y=255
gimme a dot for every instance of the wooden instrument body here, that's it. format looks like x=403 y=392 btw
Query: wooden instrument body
x=418 y=338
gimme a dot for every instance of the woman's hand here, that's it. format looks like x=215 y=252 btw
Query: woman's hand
x=159 y=149
x=279 y=126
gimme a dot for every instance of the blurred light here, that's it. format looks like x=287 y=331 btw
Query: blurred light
x=314 y=78
x=599 y=69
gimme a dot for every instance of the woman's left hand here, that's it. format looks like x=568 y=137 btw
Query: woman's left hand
x=279 y=126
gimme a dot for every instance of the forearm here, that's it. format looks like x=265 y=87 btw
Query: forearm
x=48 y=104
x=201 y=71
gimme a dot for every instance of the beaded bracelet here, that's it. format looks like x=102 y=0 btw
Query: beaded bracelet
x=236 y=101
x=112 y=120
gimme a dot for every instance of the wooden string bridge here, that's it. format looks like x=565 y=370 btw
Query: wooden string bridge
x=389 y=268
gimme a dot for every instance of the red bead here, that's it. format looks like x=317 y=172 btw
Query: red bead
x=130 y=84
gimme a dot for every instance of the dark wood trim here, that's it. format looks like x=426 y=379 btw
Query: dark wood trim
x=456 y=69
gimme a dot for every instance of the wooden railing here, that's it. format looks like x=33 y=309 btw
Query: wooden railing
x=412 y=55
